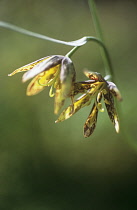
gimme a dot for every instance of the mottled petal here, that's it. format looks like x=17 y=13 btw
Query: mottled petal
x=28 y=66
x=77 y=87
x=91 y=121
x=43 y=66
x=94 y=76
x=109 y=102
x=114 y=90
x=81 y=87
x=82 y=101
x=41 y=81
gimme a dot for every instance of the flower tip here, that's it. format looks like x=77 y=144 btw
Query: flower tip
x=9 y=75
x=117 y=127
x=28 y=94
x=86 y=72
x=86 y=136
x=24 y=79
x=120 y=99
x=87 y=131
x=56 y=111
x=99 y=106
x=91 y=75
x=118 y=96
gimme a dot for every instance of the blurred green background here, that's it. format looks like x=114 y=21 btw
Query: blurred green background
x=51 y=166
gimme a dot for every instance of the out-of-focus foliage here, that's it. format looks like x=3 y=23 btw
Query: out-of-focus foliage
x=44 y=165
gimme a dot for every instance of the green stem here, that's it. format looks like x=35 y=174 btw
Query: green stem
x=104 y=49
x=72 y=51
x=96 y=22
x=9 y=26
x=76 y=43
x=105 y=57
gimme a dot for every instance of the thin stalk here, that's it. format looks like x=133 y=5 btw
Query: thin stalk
x=106 y=60
x=9 y=26
x=109 y=69
x=95 y=18
x=72 y=51
x=76 y=43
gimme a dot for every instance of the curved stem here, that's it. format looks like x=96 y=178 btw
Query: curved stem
x=109 y=70
x=9 y=26
x=106 y=56
x=71 y=52
x=76 y=43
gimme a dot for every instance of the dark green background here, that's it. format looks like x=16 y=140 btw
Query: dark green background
x=51 y=166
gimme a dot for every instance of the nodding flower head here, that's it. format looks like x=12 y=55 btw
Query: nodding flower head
x=94 y=89
x=56 y=71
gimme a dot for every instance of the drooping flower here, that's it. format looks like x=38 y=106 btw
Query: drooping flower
x=96 y=88
x=56 y=71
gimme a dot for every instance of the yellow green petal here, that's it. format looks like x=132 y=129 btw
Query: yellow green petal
x=72 y=109
x=59 y=100
x=82 y=101
x=41 y=81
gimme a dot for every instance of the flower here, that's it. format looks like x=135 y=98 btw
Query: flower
x=56 y=71
x=96 y=88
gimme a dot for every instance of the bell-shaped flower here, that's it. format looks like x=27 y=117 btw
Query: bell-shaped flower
x=56 y=71
x=95 y=88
